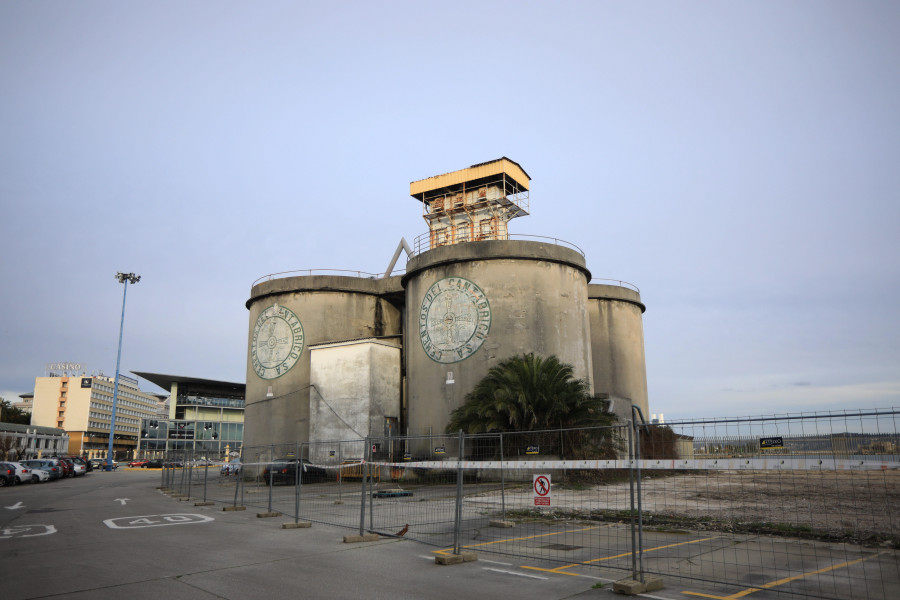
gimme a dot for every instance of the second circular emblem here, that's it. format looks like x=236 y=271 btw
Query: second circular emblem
x=454 y=319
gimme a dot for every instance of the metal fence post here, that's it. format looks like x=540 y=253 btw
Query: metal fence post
x=237 y=482
x=189 y=465
x=340 y=475
x=634 y=571
x=502 y=481
x=271 y=480
x=637 y=471
x=459 y=490
x=205 y=477
x=362 y=493
x=298 y=484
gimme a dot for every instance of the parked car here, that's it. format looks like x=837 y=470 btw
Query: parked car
x=155 y=463
x=39 y=475
x=78 y=461
x=50 y=466
x=7 y=474
x=23 y=473
x=75 y=468
x=100 y=464
x=65 y=468
x=138 y=462
x=87 y=463
x=232 y=468
x=284 y=470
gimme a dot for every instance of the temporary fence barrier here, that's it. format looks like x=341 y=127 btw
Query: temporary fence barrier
x=802 y=504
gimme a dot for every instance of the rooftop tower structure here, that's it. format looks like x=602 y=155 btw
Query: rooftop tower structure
x=471 y=204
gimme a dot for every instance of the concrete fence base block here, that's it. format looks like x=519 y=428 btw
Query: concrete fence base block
x=633 y=587
x=266 y=515
x=230 y=508
x=369 y=537
x=455 y=559
x=338 y=501
x=298 y=525
x=502 y=524
x=204 y=503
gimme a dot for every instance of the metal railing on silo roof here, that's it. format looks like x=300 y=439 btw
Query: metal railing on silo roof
x=423 y=242
x=310 y=272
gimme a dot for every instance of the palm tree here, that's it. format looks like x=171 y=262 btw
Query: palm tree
x=529 y=392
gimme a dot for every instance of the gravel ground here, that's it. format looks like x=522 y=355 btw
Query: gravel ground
x=849 y=505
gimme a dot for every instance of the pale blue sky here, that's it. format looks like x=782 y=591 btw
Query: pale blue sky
x=738 y=162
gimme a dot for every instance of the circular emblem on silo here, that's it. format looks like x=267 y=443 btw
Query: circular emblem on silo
x=277 y=342
x=454 y=319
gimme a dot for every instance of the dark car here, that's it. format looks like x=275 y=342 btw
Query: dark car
x=51 y=466
x=284 y=470
x=153 y=464
x=65 y=468
x=7 y=474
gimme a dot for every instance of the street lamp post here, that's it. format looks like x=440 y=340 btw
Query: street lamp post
x=125 y=278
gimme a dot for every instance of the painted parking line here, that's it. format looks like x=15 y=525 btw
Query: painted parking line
x=446 y=551
x=560 y=570
x=773 y=584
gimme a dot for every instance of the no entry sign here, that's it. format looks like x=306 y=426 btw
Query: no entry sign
x=541 y=490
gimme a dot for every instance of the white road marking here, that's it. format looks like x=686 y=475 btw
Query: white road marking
x=495 y=562
x=122 y=500
x=22 y=531
x=516 y=573
x=140 y=522
x=16 y=506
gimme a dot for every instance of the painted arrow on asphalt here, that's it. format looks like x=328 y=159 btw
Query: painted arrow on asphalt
x=122 y=500
x=16 y=506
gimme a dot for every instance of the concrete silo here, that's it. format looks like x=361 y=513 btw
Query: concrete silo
x=474 y=297
x=288 y=316
x=617 y=347
x=344 y=357
x=470 y=306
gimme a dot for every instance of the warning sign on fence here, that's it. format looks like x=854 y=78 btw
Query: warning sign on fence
x=541 y=490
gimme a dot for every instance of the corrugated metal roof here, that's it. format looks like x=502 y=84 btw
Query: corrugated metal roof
x=503 y=165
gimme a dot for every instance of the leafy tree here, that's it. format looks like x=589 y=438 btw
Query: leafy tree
x=528 y=392
x=11 y=414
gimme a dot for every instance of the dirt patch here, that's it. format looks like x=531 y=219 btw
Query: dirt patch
x=854 y=506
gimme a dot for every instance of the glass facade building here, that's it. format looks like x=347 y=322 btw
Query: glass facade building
x=205 y=417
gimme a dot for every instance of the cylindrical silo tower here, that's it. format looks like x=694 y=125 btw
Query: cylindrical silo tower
x=471 y=306
x=617 y=347
x=475 y=298
x=287 y=317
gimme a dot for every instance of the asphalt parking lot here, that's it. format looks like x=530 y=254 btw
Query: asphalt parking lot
x=112 y=535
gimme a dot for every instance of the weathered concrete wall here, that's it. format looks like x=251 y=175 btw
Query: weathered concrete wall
x=356 y=385
x=536 y=296
x=617 y=344
x=330 y=309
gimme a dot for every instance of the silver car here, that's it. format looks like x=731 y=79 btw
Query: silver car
x=23 y=472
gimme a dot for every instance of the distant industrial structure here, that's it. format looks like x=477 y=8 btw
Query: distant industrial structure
x=343 y=357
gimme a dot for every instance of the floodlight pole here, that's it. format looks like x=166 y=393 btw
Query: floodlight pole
x=122 y=278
